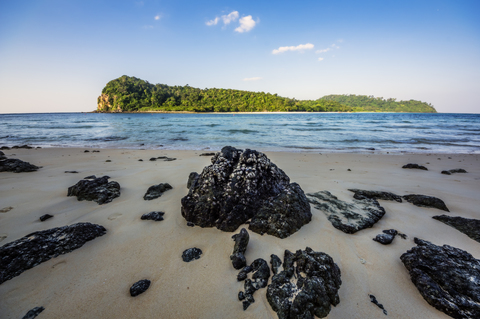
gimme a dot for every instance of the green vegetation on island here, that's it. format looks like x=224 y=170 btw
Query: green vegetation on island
x=130 y=94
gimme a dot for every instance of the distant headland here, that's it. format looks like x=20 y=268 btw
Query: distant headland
x=130 y=94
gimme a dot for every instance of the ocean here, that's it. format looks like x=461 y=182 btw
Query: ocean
x=293 y=132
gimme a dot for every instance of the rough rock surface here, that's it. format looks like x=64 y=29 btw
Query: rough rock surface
x=99 y=190
x=261 y=273
x=361 y=194
x=426 y=201
x=347 y=217
x=470 y=227
x=448 y=278
x=387 y=237
x=452 y=171
x=156 y=216
x=240 y=184
x=31 y=314
x=314 y=290
x=16 y=166
x=45 y=217
x=35 y=248
x=238 y=256
x=191 y=254
x=276 y=262
x=139 y=287
x=156 y=191
x=416 y=166
x=192 y=178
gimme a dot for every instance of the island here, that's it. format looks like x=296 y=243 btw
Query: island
x=131 y=94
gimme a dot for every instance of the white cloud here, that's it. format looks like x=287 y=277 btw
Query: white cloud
x=320 y=59
x=323 y=50
x=212 y=22
x=232 y=16
x=246 y=24
x=158 y=17
x=257 y=78
x=301 y=47
x=333 y=46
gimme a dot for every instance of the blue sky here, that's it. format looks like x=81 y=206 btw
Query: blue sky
x=58 y=55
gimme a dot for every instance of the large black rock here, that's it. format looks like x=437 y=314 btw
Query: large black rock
x=240 y=185
x=35 y=248
x=16 y=166
x=156 y=191
x=238 y=256
x=347 y=217
x=448 y=278
x=314 y=290
x=470 y=227
x=426 y=201
x=261 y=273
x=99 y=190
x=361 y=194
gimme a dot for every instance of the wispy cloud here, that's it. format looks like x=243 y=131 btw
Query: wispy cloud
x=320 y=59
x=301 y=47
x=246 y=24
x=213 y=22
x=256 y=78
x=226 y=18
x=323 y=50
x=158 y=17
x=330 y=48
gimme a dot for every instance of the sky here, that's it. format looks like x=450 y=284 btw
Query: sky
x=56 y=56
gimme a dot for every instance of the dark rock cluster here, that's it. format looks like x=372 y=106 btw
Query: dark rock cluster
x=156 y=191
x=15 y=165
x=242 y=185
x=448 y=278
x=238 y=256
x=426 y=201
x=139 y=287
x=312 y=290
x=415 y=166
x=453 y=171
x=470 y=227
x=156 y=216
x=261 y=273
x=362 y=194
x=99 y=190
x=190 y=254
x=38 y=247
x=347 y=217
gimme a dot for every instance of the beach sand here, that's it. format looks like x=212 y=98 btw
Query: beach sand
x=94 y=280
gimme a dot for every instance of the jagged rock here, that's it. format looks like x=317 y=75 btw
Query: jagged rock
x=361 y=194
x=35 y=248
x=45 y=217
x=347 y=217
x=237 y=186
x=261 y=273
x=416 y=166
x=276 y=262
x=448 y=278
x=192 y=178
x=387 y=237
x=426 y=201
x=156 y=216
x=156 y=191
x=379 y=305
x=16 y=166
x=452 y=171
x=470 y=227
x=242 y=275
x=314 y=291
x=139 y=287
x=191 y=254
x=238 y=256
x=31 y=314
x=99 y=190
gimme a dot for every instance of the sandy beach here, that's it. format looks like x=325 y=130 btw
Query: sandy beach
x=94 y=280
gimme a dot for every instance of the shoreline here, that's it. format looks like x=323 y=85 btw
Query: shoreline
x=94 y=280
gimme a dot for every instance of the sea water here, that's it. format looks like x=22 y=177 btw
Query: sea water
x=311 y=132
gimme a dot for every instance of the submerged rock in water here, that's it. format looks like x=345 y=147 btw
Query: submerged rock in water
x=35 y=248
x=156 y=216
x=415 y=166
x=240 y=184
x=387 y=237
x=99 y=190
x=426 y=201
x=238 y=256
x=314 y=290
x=16 y=166
x=191 y=254
x=452 y=171
x=156 y=191
x=448 y=278
x=139 y=287
x=347 y=217
x=33 y=313
x=470 y=227
x=361 y=194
